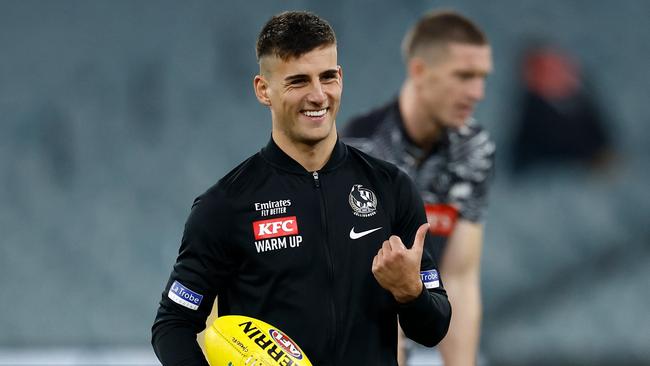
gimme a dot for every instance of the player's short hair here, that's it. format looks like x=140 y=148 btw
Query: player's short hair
x=439 y=28
x=292 y=34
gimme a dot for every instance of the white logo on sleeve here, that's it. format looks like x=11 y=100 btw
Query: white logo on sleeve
x=184 y=296
x=354 y=235
x=430 y=278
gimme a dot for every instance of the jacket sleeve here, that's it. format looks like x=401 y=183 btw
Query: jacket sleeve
x=202 y=268
x=425 y=319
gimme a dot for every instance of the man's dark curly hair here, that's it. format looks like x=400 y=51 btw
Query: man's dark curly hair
x=292 y=34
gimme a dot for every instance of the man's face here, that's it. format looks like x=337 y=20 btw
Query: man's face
x=303 y=93
x=450 y=86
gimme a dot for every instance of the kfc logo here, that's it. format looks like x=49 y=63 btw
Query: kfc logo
x=273 y=228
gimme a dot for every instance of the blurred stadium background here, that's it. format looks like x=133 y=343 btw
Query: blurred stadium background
x=114 y=115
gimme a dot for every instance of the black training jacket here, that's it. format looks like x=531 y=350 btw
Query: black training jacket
x=295 y=248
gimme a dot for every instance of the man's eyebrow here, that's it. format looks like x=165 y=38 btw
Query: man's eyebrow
x=296 y=77
x=330 y=72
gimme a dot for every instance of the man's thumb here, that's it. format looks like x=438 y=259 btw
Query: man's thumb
x=418 y=242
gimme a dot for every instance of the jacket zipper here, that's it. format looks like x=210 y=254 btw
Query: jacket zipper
x=316 y=180
x=328 y=258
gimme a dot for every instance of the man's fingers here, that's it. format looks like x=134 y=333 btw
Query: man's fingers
x=418 y=242
x=374 y=263
x=396 y=243
x=386 y=247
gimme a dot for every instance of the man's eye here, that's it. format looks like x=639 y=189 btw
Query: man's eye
x=327 y=78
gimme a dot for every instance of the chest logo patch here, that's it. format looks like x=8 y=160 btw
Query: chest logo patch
x=270 y=208
x=363 y=201
x=273 y=228
x=276 y=234
x=354 y=235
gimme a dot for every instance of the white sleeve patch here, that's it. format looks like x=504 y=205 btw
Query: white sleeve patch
x=184 y=296
x=430 y=278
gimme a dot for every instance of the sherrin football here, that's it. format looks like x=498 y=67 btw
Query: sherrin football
x=235 y=340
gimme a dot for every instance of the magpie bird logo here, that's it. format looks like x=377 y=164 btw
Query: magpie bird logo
x=363 y=201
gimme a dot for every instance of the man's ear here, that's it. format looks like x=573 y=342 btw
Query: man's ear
x=340 y=73
x=261 y=86
x=416 y=68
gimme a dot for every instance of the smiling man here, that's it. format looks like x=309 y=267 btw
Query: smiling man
x=304 y=94
x=315 y=237
x=429 y=132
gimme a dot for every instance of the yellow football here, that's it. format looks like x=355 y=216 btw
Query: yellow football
x=235 y=340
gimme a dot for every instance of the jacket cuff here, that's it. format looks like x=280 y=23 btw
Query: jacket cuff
x=420 y=303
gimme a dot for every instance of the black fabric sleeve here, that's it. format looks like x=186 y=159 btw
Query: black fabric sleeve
x=203 y=267
x=175 y=344
x=425 y=319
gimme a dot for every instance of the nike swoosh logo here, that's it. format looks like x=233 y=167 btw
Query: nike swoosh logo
x=355 y=236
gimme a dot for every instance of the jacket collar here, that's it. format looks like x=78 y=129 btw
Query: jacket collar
x=278 y=158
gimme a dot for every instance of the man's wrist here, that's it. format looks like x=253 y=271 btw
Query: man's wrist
x=409 y=294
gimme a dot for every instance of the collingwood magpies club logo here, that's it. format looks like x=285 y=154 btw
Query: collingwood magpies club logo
x=363 y=201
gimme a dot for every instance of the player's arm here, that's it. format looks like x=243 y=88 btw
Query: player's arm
x=423 y=307
x=201 y=269
x=460 y=264
x=174 y=339
x=461 y=270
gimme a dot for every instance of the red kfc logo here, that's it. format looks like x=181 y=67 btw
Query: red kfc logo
x=272 y=228
x=441 y=218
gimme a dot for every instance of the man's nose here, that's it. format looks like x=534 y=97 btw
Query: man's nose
x=317 y=94
x=476 y=90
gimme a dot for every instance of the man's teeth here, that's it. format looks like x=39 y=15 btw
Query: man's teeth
x=315 y=113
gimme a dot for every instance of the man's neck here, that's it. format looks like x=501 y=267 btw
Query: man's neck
x=311 y=157
x=419 y=126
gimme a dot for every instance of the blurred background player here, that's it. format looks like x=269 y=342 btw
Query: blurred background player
x=560 y=122
x=429 y=132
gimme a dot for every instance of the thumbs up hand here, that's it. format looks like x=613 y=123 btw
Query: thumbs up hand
x=397 y=268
